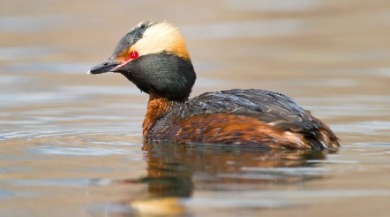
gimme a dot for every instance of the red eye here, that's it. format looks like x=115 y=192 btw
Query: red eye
x=133 y=55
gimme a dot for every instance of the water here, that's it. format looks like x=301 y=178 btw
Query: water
x=71 y=143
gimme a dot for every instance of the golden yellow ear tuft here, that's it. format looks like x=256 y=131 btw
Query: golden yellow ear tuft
x=162 y=37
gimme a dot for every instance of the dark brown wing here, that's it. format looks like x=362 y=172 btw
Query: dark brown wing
x=267 y=106
x=271 y=109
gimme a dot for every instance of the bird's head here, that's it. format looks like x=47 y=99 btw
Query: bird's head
x=155 y=58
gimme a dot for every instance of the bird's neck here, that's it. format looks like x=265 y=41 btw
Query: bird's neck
x=157 y=108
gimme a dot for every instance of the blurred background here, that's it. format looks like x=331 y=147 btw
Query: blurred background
x=71 y=143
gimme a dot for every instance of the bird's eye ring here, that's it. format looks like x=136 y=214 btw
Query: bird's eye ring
x=133 y=55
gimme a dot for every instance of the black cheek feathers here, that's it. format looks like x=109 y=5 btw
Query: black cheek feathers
x=165 y=74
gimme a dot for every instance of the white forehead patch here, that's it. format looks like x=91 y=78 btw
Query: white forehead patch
x=161 y=37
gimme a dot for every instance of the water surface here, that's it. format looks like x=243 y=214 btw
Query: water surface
x=71 y=144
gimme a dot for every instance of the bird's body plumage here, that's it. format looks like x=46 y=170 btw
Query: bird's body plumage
x=250 y=117
x=154 y=57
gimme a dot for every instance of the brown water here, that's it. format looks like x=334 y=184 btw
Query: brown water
x=71 y=143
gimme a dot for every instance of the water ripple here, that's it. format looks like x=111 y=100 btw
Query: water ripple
x=31 y=24
x=273 y=199
x=277 y=6
x=87 y=151
x=259 y=28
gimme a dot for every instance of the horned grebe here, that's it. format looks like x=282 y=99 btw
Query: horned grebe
x=154 y=57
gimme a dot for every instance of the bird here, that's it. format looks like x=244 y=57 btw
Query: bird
x=154 y=56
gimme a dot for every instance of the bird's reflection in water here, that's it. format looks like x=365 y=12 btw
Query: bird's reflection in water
x=175 y=171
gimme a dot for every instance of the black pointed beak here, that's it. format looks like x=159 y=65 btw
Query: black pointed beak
x=104 y=67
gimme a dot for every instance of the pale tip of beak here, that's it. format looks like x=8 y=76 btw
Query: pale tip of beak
x=89 y=72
